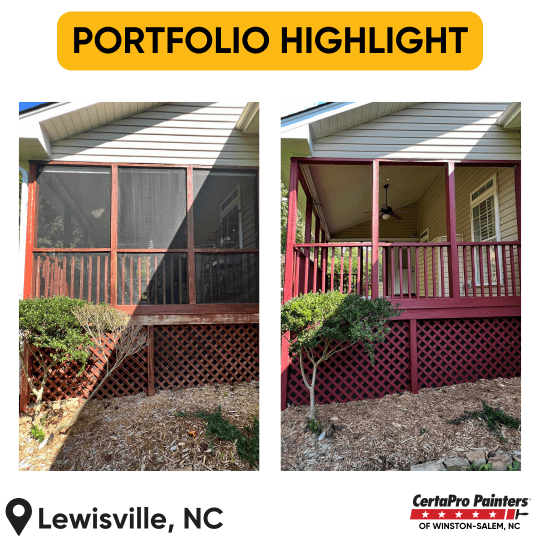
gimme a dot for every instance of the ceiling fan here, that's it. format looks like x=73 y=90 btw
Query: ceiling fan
x=386 y=211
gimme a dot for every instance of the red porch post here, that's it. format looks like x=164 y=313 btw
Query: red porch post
x=31 y=230
x=316 y=253
x=517 y=182
x=307 y=240
x=413 y=355
x=451 y=233
x=288 y=278
x=375 y=232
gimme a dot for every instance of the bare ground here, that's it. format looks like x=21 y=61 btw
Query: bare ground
x=138 y=432
x=400 y=430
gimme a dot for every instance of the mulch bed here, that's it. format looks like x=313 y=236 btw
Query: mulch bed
x=400 y=430
x=141 y=433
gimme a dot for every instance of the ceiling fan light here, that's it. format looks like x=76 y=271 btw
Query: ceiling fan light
x=386 y=216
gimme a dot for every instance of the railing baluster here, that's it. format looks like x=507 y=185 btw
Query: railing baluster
x=473 y=268
x=489 y=273
x=392 y=249
x=37 y=288
x=315 y=268
x=341 y=271
x=518 y=249
x=384 y=272
x=163 y=262
x=465 y=277
x=409 y=270
x=155 y=280
x=307 y=253
x=332 y=273
x=505 y=272
x=361 y=269
x=481 y=264
x=498 y=270
x=123 y=278
x=426 y=290
x=324 y=257
x=367 y=272
x=72 y=278
x=417 y=271
x=350 y=270
x=98 y=280
x=296 y=283
x=139 y=294
x=400 y=256
x=513 y=270
x=444 y=272
x=433 y=272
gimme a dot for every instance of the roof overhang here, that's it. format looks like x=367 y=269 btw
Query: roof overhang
x=511 y=118
x=41 y=127
x=248 y=122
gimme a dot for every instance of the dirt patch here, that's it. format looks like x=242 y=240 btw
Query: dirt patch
x=136 y=433
x=400 y=430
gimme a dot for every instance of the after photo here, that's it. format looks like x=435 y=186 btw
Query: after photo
x=401 y=276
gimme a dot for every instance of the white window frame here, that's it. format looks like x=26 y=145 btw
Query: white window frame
x=492 y=191
x=424 y=239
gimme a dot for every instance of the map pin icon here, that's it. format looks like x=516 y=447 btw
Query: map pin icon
x=18 y=522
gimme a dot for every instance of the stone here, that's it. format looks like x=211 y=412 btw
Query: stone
x=476 y=456
x=456 y=464
x=428 y=466
x=500 y=462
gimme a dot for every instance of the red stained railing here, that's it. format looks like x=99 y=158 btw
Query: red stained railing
x=409 y=270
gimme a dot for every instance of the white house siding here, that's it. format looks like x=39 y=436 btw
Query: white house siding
x=458 y=131
x=171 y=134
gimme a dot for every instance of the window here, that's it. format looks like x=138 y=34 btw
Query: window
x=485 y=228
x=141 y=247
x=424 y=237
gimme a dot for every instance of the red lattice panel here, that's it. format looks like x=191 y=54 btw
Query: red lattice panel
x=454 y=351
x=194 y=355
x=63 y=382
x=349 y=376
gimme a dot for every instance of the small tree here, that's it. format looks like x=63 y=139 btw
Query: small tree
x=128 y=337
x=333 y=322
x=49 y=323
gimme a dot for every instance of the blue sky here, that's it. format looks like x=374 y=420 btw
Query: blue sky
x=23 y=105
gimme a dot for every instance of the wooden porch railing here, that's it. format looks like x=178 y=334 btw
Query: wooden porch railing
x=409 y=270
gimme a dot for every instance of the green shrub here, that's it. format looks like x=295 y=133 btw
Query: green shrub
x=49 y=323
x=333 y=322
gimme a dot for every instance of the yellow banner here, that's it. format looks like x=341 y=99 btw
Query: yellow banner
x=315 y=41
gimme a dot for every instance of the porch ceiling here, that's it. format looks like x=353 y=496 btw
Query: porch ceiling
x=344 y=191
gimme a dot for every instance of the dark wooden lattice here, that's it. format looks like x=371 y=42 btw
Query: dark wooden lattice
x=186 y=355
x=464 y=350
x=64 y=383
x=193 y=355
x=350 y=376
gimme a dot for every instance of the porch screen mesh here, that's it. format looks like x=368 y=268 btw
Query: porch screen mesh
x=74 y=209
x=227 y=278
x=225 y=209
x=151 y=208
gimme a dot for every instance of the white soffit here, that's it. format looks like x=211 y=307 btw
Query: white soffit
x=344 y=191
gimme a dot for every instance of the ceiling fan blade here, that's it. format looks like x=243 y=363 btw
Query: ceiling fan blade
x=396 y=216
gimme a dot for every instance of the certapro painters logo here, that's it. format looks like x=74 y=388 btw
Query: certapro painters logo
x=452 y=512
x=19 y=512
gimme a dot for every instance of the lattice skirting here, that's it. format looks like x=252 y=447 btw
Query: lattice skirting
x=351 y=377
x=464 y=350
x=448 y=351
x=183 y=355
x=205 y=354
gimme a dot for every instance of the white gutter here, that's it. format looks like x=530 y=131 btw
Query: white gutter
x=22 y=229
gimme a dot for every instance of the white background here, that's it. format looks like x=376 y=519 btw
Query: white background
x=268 y=503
